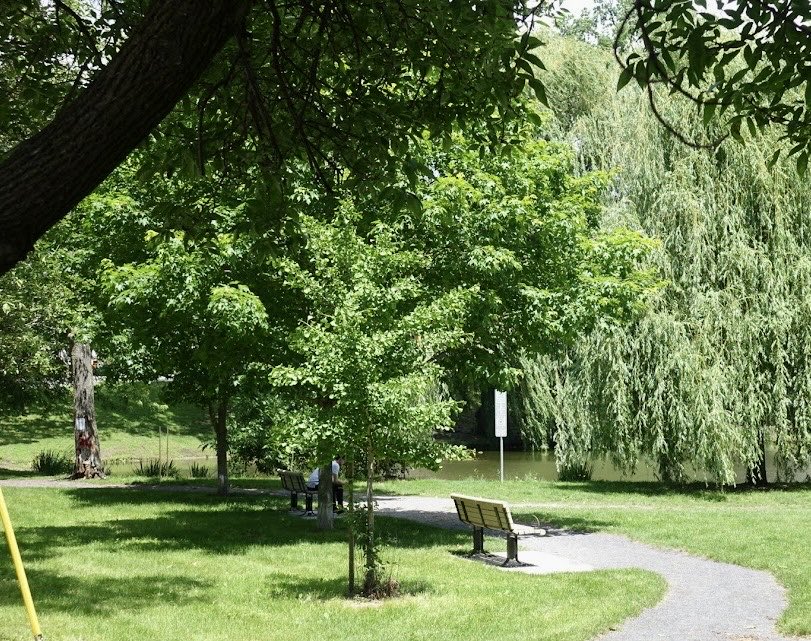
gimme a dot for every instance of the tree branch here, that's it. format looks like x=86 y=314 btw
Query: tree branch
x=44 y=177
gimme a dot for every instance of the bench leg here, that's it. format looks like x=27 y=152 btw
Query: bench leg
x=478 y=540
x=293 y=502
x=512 y=548
x=308 y=501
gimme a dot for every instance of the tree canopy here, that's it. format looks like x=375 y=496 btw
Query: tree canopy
x=717 y=370
x=343 y=86
x=744 y=61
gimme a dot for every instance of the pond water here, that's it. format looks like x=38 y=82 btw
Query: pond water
x=520 y=465
x=517 y=465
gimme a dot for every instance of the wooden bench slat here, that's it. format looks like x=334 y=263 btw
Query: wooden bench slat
x=487 y=514
x=294 y=482
x=484 y=513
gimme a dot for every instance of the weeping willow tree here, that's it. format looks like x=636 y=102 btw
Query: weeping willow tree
x=719 y=369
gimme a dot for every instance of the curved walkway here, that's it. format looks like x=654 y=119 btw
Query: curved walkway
x=705 y=601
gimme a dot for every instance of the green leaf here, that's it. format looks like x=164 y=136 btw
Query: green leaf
x=540 y=91
x=709 y=112
x=625 y=77
x=802 y=163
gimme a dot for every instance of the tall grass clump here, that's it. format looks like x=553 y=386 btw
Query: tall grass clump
x=52 y=463
x=199 y=471
x=156 y=468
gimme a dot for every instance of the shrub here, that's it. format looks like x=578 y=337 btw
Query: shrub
x=575 y=472
x=155 y=467
x=198 y=471
x=51 y=463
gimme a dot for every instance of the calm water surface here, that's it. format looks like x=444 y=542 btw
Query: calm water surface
x=517 y=465
x=520 y=465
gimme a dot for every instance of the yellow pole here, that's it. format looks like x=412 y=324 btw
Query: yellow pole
x=18 y=567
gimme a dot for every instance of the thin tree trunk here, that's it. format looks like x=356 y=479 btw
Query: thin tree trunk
x=44 y=177
x=350 y=479
x=87 y=463
x=370 y=578
x=325 y=516
x=218 y=418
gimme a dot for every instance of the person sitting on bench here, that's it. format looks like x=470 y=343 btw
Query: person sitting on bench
x=337 y=486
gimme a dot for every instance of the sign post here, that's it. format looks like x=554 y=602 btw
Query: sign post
x=501 y=427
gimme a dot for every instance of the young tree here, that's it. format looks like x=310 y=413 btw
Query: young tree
x=366 y=373
x=499 y=260
x=187 y=305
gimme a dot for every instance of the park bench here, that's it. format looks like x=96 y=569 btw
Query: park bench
x=294 y=483
x=487 y=514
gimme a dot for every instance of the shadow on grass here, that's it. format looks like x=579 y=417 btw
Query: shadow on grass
x=90 y=594
x=34 y=424
x=207 y=523
x=326 y=589
x=6 y=473
x=135 y=409
x=698 y=490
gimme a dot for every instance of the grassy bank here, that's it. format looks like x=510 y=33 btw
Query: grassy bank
x=131 y=565
x=766 y=530
x=129 y=418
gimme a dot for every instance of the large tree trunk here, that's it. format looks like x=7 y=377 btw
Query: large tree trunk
x=87 y=463
x=325 y=516
x=218 y=416
x=44 y=177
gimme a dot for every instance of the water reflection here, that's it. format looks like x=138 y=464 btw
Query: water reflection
x=520 y=465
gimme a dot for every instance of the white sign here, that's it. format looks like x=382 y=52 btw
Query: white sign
x=80 y=424
x=501 y=414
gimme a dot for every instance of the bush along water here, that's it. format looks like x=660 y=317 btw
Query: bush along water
x=156 y=467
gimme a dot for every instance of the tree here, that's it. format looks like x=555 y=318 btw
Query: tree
x=92 y=135
x=334 y=83
x=87 y=462
x=499 y=260
x=718 y=369
x=366 y=375
x=35 y=319
x=742 y=61
x=186 y=304
x=596 y=24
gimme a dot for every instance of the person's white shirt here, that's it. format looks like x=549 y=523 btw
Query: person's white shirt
x=312 y=481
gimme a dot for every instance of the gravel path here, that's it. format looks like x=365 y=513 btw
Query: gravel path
x=705 y=600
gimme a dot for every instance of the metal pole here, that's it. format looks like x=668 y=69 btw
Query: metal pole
x=501 y=452
x=18 y=567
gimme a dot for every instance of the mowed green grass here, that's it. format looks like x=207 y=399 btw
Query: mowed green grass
x=766 y=530
x=133 y=565
x=129 y=417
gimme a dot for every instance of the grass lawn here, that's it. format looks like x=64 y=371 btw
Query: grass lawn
x=133 y=565
x=766 y=530
x=128 y=416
